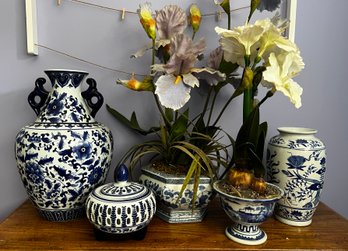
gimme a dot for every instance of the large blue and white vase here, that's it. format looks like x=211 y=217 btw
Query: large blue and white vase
x=167 y=187
x=65 y=153
x=247 y=214
x=121 y=207
x=296 y=161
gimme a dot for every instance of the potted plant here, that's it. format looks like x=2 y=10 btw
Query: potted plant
x=185 y=154
x=267 y=59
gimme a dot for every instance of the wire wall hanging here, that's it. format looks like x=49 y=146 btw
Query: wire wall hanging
x=32 y=36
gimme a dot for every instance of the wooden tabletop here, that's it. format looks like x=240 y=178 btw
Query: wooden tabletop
x=25 y=230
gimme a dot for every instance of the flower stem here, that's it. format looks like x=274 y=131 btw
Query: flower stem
x=166 y=121
x=212 y=107
x=193 y=35
x=223 y=109
x=268 y=95
x=247 y=103
x=153 y=52
x=229 y=21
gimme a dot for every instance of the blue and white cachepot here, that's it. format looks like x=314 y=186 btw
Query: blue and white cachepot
x=247 y=214
x=167 y=188
x=121 y=207
x=65 y=153
x=296 y=161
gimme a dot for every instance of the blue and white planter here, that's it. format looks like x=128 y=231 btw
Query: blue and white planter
x=167 y=188
x=122 y=207
x=65 y=153
x=247 y=215
x=296 y=161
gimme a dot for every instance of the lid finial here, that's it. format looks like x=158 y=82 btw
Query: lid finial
x=122 y=173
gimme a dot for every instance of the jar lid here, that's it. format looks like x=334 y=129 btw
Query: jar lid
x=122 y=190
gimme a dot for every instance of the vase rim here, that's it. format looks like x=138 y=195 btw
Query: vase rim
x=297 y=130
x=65 y=70
x=279 y=195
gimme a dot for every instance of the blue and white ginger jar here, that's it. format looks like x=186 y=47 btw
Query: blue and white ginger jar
x=65 y=153
x=296 y=162
x=122 y=207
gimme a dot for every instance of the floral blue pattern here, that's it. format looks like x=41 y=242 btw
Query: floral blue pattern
x=167 y=189
x=298 y=166
x=60 y=161
x=32 y=170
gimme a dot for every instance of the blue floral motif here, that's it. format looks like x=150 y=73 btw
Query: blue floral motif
x=55 y=107
x=95 y=175
x=34 y=173
x=296 y=162
x=83 y=151
x=300 y=168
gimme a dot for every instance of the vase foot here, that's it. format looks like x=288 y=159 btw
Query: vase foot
x=293 y=223
x=246 y=234
x=62 y=215
x=104 y=236
x=180 y=215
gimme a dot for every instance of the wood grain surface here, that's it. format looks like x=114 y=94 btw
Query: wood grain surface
x=25 y=230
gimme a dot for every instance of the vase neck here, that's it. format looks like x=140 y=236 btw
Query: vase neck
x=65 y=103
x=297 y=131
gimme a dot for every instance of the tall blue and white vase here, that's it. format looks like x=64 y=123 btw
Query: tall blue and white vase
x=65 y=153
x=296 y=162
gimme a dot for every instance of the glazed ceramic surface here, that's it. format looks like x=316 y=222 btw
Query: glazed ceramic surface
x=247 y=215
x=296 y=161
x=167 y=188
x=122 y=207
x=65 y=153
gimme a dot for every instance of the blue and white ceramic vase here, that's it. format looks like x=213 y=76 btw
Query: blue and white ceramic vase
x=247 y=214
x=121 y=207
x=296 y=161
x=167 y=189
x=65 y=153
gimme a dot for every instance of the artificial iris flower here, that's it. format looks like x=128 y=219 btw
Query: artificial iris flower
x=136 y=85
x=240 y=42
x=147 y=21
x=272 y=39
x=174 y=87
x=170 y=21
x=278 y=75
x=269 y=5
x=195 y=17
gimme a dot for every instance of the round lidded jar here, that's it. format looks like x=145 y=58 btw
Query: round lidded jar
x=121 y=207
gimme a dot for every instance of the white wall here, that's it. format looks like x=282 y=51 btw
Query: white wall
x=99 y=36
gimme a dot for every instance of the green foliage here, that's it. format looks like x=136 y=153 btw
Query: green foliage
x=249 y=144
x=131 y=123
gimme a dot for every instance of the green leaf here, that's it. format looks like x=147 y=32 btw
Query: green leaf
x=199 y=126
x=188 y=177
x=248 y=135
x=169 y=114
x=262 y=132
x=164 y=135
x=227 y=67
x=132 y=123
x=180 y=126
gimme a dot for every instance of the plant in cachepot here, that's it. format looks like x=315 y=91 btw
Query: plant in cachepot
x=270 y=60
x=185 y=154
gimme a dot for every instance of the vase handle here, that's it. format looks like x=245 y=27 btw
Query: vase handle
x=92 y=93
x=38 y=96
